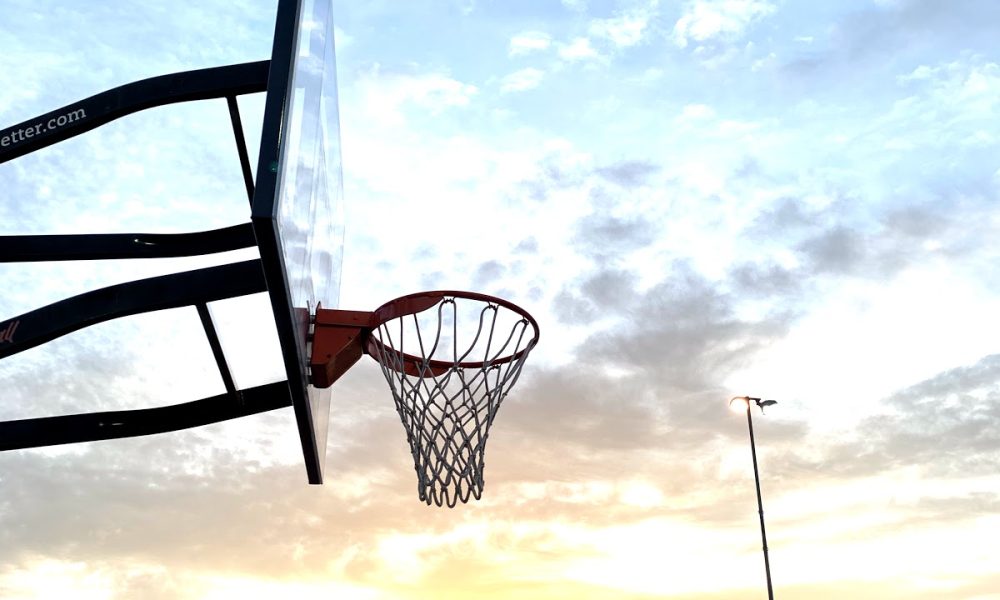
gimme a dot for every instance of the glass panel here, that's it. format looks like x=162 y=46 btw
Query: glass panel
x=249 y=339
x=310 y=207
x=310 y=215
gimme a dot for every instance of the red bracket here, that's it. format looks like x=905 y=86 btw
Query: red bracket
x=339 y=338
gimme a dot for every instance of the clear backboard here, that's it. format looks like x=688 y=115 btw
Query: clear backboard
x=298 y=215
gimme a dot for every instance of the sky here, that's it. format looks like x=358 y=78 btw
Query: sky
x=696 y=199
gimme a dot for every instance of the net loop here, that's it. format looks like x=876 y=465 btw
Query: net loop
x=448 y=380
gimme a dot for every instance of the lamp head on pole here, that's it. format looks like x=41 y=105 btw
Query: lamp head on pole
x=742 y=403
x=739 y=404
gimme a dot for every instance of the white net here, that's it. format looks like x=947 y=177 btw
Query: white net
x=448 y=381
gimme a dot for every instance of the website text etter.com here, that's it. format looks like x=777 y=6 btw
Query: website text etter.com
x=54 y=123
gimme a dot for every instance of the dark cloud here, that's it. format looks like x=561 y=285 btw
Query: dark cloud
x=629 y=173
x=528 y=245
x=957 y=381
x=766 y=280
x=785 y=216
x=833 y=241
x=619 y=233
x=552 y=175
x=601 y=294
x=945 y=425
x=927 y=23
x=895 y=37
x=487 y=274
x=917 y=222
x=837 y=250
x=905 y=238
x=610 y=290
x=569 y=307
x=572 y=425
x=685 y=331
x=128 y=499
x=606 y=237
x=576 y=406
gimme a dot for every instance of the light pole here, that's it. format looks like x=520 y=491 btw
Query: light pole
x=756 y=479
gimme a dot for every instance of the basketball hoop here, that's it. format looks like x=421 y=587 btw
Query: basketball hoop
x=447 y=378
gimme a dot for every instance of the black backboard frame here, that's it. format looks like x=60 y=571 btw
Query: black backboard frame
x=264 y=216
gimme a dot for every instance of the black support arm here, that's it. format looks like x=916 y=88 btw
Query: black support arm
x=102 y=246
x=89 y=427
x=145 y=295
x=79 y=117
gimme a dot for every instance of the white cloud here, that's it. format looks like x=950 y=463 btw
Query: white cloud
x=625 y=30
x=970 y=86
x=467 y=6
x=693 y=112
x=578 y=49
x=977 y=81
x=341 y=38
x=650 y=75
x=388 y=95
x=707 y=20
x=529 y=41
x=763 y=63
x=522 y=80
x=920 y=73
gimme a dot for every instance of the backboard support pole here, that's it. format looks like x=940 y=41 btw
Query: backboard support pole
x=216 y=345
x=241 y=145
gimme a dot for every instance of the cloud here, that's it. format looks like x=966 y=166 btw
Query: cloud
x=629 y=173
x=836 y=250
x=685 y=334
x=389 y=95
x=598 y=296
x=578 y=49
x=888 y=39
x=523 y=80
x=487 y=273
x=607 y=236
x=712 y=21
x=528 y=42
x=695 y=112
x=465 y=7
x=765 y=280
x=528 y=245
x=961 y=24
x=343 y=40
x=829 y=241
x=943 y=425
x=625 y=30
x=971 y=84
